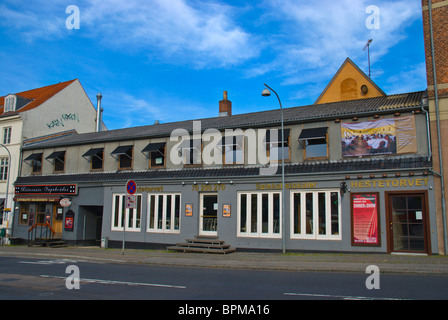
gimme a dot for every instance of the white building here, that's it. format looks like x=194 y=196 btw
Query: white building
x=34 y=115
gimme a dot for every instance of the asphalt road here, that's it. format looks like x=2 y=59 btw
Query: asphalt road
x=23 y=278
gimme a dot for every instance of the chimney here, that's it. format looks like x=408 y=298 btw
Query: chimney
x=225 y=106
x=98 y=112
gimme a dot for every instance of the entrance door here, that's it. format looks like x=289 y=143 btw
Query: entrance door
x=208 y=222
x=57 y=220
x=408 y=221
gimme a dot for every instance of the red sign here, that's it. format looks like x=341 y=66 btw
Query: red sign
x=365 y=219
x=131 y=187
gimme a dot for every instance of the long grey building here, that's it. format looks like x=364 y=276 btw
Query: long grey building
x=358 y=178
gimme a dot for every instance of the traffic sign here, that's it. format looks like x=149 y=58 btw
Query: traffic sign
x=131 y=202
x=131 y=187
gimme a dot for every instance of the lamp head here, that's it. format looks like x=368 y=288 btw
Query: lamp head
x=265 y=92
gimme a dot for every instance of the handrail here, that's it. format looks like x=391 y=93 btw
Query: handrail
x=43 y=225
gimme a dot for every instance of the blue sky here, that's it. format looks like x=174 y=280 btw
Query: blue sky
x=171 y=60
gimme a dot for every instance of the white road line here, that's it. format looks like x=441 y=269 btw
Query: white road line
x=119 y=282
x=330 y=296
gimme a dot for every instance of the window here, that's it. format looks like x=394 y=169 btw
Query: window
x=3 y=169
x=124 y=156
x=95 y=156
x=7 y=135
x=57 y=158
x=156 y=154
x=164 y=213
x=10 y=103
x=37 y=164
x=25 y=213
x=259 y=214
x=316 y=215
x=314 y=142
x=131 y=217
x=191 y=151
x=232 y=149
x=275 y=147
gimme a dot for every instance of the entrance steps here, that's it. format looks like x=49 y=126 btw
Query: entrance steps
x=52 y=243
x=203 y=244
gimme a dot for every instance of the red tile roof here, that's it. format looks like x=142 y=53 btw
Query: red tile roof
x=38 y=96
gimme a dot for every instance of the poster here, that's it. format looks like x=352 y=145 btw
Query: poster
x=226 y=210
x=365 y=227
x=383 y=136
x=189 y=210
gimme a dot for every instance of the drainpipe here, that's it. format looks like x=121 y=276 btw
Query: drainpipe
x=436 y=99
x=428 y=132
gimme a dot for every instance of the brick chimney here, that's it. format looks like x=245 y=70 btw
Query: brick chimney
x=225 y=106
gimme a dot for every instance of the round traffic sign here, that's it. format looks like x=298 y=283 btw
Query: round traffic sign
x=131 y=187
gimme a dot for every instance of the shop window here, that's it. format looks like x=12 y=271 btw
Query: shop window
x=4 y=169
x=164 y=213
x=314 y=142
x=259 y=214
x=40 y=212
x=130 y=218
x=25 y=217
x=315 y=215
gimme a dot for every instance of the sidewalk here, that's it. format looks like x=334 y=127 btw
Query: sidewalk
x=324 y=262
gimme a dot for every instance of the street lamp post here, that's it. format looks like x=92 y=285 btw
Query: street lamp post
x=267 y=93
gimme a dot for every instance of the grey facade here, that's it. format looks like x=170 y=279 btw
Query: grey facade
x=238 y=199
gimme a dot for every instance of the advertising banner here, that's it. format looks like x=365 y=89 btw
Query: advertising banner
x=365 y=219
x=384 y=136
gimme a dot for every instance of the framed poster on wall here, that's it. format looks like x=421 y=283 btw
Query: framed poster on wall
x=365 y=219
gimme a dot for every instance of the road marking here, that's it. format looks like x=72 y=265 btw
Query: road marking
x=330 y=296
x=119 y=282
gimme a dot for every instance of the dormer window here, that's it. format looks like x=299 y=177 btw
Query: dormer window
x=10 y=103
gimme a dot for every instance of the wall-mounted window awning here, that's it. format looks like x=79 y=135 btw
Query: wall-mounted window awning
x=33 y=157
x=94 y=152
x=273 y=140
x=155 y=147
x=313 y=136
x=59 y=155
x=121 y=150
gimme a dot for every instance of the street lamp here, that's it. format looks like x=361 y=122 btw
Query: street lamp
x=267 y=93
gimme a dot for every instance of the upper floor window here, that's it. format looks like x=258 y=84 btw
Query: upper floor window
x=232 y=149
x=124 y=156
x=7 y=135
x=190 y=150
x=276 y=145
x=315 y=143
x=4 y=168
x=35 y=161
x=96 y=158
x=156 y=154
x=57 y=158
x=10 y=103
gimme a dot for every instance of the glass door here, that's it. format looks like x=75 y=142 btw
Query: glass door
x=208 y=222
x=407 y=221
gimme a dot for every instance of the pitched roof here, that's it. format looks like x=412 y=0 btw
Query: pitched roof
x=38 y=95
x=341 y=109
x=351 y=70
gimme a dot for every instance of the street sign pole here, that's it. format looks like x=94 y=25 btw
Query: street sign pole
x=131 y=188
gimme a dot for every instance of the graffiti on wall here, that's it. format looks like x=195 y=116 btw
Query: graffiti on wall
x=62 y=119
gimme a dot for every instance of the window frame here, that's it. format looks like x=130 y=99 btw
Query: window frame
x=4 y=168
x=152 y=213
x=258 y=233
x=7 y=134
x=315 y=234
x=117 y=213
